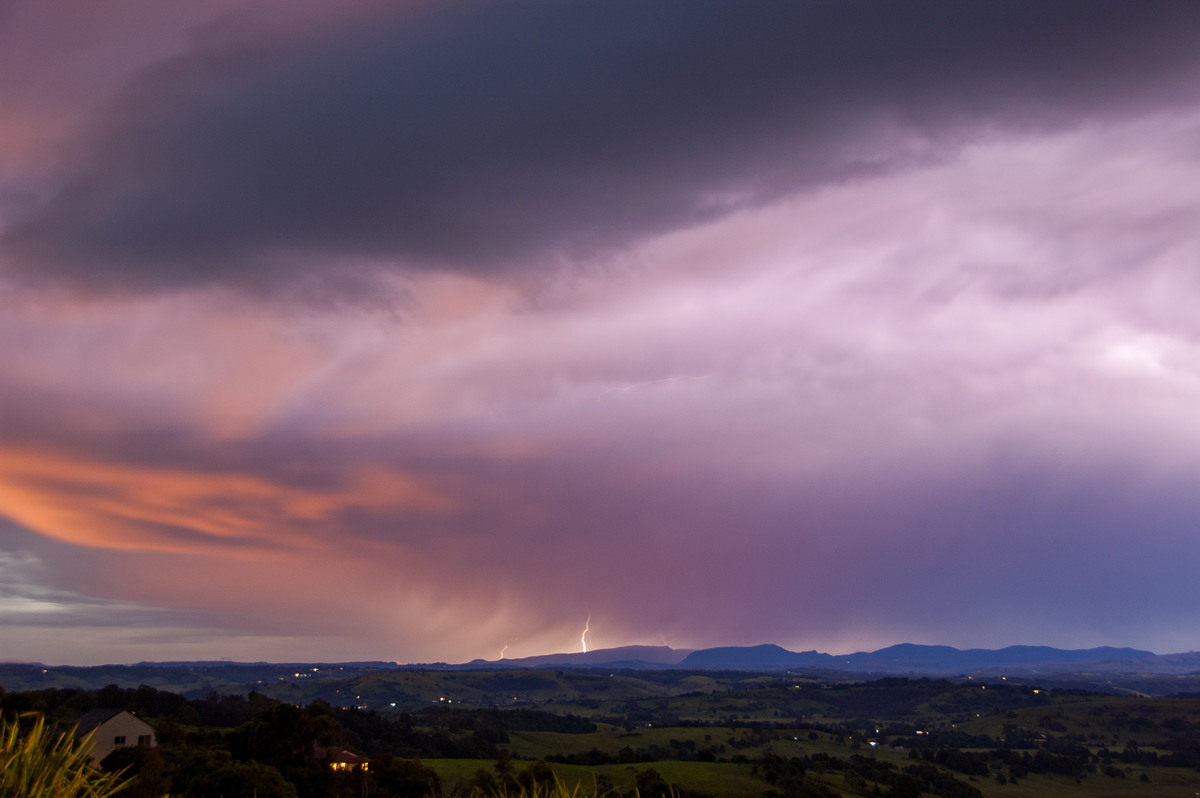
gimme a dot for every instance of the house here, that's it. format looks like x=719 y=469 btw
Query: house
x=111 y=729
x=341 y=759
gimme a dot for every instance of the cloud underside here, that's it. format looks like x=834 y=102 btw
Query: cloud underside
x=483 y=136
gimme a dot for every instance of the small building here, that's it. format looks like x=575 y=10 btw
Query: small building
x=340 y=759
x=111 y=729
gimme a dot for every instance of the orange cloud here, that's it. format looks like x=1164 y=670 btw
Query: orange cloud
x=92 y=502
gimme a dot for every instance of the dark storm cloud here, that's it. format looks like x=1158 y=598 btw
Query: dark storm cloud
x=479 y=135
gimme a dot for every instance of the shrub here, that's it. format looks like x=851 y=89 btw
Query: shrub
x=36 y=762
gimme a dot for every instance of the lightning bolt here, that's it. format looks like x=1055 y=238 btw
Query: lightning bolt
x=506 y=642
x=583 y=637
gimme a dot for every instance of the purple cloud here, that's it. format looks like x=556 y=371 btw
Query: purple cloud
x=863 y=322
x=481 y=135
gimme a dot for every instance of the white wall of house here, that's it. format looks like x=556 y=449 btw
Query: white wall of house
x=121 y=730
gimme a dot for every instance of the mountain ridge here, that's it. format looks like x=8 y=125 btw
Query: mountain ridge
x=899 y=658
x=1105 y=668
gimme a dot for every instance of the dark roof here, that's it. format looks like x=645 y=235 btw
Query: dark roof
x=335 y=754
x=88 y=721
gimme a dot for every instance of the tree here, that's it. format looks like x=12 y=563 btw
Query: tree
x=651 y=784
x=145 y=766
x=286 y=738
x=205 y=772
x=393 y=776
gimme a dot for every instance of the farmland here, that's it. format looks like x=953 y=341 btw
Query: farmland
x=657 y=732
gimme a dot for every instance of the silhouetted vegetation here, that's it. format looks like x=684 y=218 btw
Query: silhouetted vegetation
x=770 y=735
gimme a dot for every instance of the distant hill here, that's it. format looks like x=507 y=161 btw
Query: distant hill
x=764 y=657
x=943 y=659
x=904 y=658
x=1105 y=667
x=625 y=656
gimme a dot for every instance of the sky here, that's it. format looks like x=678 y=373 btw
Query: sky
x=437 y=330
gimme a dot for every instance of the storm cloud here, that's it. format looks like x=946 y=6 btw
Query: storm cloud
x=481 y=136
x=384 y=332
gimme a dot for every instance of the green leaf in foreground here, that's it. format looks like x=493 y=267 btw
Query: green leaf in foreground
x=36 y=762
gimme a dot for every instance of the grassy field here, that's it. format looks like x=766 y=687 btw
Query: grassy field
x=734 y=781
x=1164 y=783
x=747 y=726
x=739 y=781
x=1102 y=720
x=612 y=739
